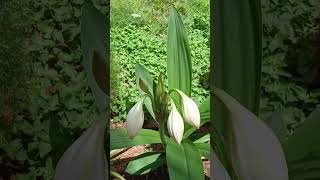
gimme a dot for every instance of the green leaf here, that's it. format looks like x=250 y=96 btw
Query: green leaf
x=235 y=63
x=85 y=158
x=145 y=163
x=184 y=161
x=302 y=149
x=256 y=151
x=276 y=122
x=144 y=75
x=202 y=138
x=179 y=60
x=119 y=138
x=117 y=175
x=204 y=149
x=93 y=43
x=44 y=149
x=217 y=169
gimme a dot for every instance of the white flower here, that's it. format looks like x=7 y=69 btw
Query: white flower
x=175 y=124
x=135 y=119
x=190 y=110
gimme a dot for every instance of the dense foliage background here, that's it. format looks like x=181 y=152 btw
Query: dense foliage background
x=52 y=103
x=290 y=64
x=45 y=100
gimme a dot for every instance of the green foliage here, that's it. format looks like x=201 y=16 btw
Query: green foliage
x=184 y=161
x=143 y=40
x=287 y=27
x=15 y=60
x=59 y=102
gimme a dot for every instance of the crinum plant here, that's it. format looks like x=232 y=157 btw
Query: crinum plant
x=162 y=103
x=177 y=115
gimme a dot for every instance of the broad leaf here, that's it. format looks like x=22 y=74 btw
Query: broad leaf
x=119 y=138
x=145 y=163
x=178 y=52
x=93 y=43
x=184 y=161
x=302 y=149
x=217 y=170
x=85 y=159
x=256 y=152
x=235 y=63
x=142 y=75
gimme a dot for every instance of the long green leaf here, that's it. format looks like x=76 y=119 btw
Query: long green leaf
x=235 y=62
x=184 y=161
x=256 y=152
x=178 y=52
x=119 y=138
x=93 y=44
x=145 y=163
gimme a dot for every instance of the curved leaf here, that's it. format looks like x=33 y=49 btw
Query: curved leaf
x=184 y=161
x=145 y=163
x=119 y=138
x=85 y=158
x=93 y=44
x=256 y=152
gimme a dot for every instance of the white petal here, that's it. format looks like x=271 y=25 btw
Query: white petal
x=135 y=119
x=190 y=111
x=175 y=125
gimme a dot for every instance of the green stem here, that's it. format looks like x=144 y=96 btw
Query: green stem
x=162 y=136
x=161 y=121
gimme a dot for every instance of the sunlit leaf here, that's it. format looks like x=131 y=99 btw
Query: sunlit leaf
x=145 y=163
x=184 y=161
x=178 y=54
x=119 y=138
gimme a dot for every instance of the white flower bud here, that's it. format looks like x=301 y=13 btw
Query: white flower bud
x=190 y=110
x=135 y=119
x=175 y=124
